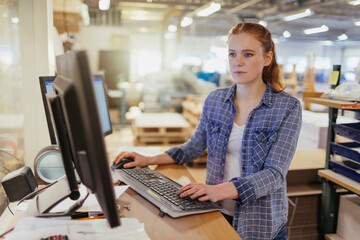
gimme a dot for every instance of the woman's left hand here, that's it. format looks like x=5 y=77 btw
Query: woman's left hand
x=199 y=190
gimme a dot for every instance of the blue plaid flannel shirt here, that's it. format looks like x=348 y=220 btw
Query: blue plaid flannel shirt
x=269 y=142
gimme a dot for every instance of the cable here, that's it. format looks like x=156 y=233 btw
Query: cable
x=7 y=170
x=293 y=212
x=2 y=165
x=8 y=206
x=32 y=194
x=6 y=232
x=70 y=211
x=10 y=154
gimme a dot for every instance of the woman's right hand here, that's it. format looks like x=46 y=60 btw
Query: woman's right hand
x=139 y=160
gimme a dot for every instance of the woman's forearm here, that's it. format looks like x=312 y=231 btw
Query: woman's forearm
x=163 y=158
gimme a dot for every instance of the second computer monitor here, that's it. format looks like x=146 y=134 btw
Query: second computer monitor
x=101 y=99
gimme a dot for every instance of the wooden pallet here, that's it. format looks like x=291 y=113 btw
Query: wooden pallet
x=151 y=129
x=160 y=131
x=192 y=109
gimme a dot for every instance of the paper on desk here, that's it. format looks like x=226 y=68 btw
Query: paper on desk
x=32 y=228
x=90 y=204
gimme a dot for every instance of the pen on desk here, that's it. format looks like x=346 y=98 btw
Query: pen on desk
x=78 y=215
x=99 y=216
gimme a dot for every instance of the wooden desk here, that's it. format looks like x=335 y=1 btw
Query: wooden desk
x=201 y=226
x=205 y=226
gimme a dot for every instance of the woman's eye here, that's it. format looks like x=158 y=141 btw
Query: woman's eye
x=232 y=54
x=249 y=54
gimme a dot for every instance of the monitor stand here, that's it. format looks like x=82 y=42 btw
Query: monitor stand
x=41 y=204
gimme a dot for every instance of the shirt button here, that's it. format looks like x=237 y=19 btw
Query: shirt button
x=243 y=168
x=244 y=151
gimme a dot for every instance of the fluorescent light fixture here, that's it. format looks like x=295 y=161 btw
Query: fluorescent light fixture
x=295 y=16
x=323 y=28
x=208 y=9
x=286 y=34
x=342 y=37
x=104 y=5
x=357 y=22
x=355 y=2
x=186 y=21
x=263 y=23
x=327 y=43
x=172 y=28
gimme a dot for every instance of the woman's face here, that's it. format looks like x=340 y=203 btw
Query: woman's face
x=246 y=58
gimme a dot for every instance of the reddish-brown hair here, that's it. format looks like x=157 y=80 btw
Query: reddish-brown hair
x=271 y=73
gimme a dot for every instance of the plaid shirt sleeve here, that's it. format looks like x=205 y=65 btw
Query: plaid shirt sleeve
x=277 y=162
x=193 y=148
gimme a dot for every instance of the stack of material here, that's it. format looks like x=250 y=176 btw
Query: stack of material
x=303 y=220
x=160 y=129
x=192 y=109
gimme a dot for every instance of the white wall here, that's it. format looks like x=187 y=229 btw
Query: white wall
x=37 y=59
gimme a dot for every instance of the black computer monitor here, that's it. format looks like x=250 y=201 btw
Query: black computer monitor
x=101 y=100
x=75 y=115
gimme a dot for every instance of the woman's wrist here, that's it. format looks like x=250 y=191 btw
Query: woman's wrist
x=227 y=191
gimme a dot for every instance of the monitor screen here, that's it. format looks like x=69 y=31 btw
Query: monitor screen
x=101 y=100
x=79 y=115
x=102 y=103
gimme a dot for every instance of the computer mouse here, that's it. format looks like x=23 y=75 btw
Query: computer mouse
x=122 y=162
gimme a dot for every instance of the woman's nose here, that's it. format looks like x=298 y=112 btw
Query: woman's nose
x=240 y=61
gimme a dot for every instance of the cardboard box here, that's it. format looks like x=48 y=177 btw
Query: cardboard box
x=349 y=217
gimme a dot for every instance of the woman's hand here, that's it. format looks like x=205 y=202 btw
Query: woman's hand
x=212 y=193
x=139 y=160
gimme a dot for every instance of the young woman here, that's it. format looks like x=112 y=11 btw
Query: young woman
x=250 y=131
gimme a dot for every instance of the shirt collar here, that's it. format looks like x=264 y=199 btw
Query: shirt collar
x=267 y=99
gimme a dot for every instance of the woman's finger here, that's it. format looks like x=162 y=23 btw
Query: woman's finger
x=198 y=193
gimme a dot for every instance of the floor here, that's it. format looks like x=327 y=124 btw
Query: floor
x=123 y=137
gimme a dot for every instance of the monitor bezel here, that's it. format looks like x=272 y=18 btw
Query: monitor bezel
x=84 y=128
x=43 y=80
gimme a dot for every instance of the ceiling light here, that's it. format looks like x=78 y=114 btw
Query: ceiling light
x=323 y=28
x=172 y=28
x=263 y=23
x=355 y=2
x=104 y=5
x=208 y=9
x=357 y=22
x=342 y=37
x=302 y=14
x=286 y=34
x=327 y=43
x=186 y=21
x=15 y=20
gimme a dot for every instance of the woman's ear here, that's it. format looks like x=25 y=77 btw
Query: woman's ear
x=268 y=58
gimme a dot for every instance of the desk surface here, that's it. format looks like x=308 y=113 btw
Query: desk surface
x=205 y=226
x=202 y=226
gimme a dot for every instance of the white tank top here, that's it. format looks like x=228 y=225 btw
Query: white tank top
x=233 y=163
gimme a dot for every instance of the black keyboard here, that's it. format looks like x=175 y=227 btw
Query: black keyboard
x=161 y=191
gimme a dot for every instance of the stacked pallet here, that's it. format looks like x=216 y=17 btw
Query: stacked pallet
x=160 y=129
x=192 y=109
